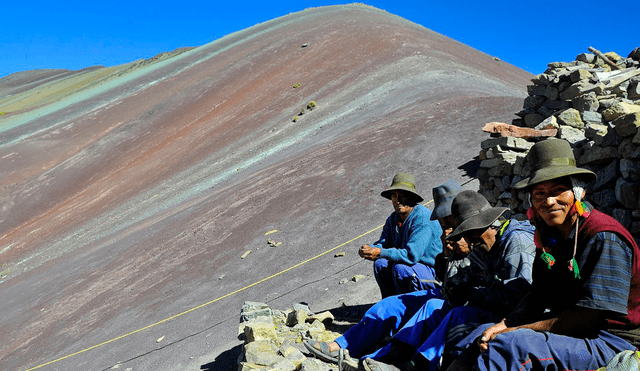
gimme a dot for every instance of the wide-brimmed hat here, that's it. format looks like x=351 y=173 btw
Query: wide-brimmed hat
x=443 y=196
x=471 y=210
x=402 y=182
x=552 y=159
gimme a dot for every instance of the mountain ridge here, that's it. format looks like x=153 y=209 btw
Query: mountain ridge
x=125 y=205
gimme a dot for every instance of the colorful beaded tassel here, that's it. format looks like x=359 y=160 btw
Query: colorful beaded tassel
x=573 y=266
x=548 y=258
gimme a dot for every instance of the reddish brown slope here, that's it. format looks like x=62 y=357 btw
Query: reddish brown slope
x=126 y=204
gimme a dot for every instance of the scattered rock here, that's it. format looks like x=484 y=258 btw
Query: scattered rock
x=257 y=312
x=628 y=193
x=302 y=306
x=630 y=169
x=627 y=125
x=596 y=132
x=591 y=117
x=571 y=117
x=586 y=103
x=518 y=144
x=296 y=316
x=549 y=123
x=258 y=331
x=533 y=119
x=324 y=317
x=358 y=277
x=292 y=354
x=620 y=109
x=312 y=364
x=262 y=353
x=571 y=134
x=605 y=199
x=607 y=176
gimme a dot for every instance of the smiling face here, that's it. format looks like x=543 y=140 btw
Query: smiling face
x=552 y=200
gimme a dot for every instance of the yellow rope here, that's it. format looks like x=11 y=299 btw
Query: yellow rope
x=208 y=303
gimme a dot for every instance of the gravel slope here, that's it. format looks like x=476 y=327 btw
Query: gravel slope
x=133 y=201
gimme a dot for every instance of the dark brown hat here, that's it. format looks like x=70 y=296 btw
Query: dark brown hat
x=471 y=210
x=402 y=182
x=552 y=159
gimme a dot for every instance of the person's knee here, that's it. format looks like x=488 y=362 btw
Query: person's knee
x=517 y=343
x=402 y=272
x=388 y=308
x=380 y=265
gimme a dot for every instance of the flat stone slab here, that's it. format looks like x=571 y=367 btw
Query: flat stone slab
x=508 y=130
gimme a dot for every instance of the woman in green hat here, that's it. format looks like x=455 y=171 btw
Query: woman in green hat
x=584 y=304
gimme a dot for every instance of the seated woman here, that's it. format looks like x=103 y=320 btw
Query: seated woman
x=584 y=306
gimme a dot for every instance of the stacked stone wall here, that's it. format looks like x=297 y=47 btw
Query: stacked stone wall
x=596 y=108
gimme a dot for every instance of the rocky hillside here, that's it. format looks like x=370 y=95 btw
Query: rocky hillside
x=24 y=91
x=127 y=202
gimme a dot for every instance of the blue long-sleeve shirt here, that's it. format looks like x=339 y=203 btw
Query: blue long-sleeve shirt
x=416 y=241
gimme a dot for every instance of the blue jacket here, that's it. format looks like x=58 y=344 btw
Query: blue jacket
x=417 y=241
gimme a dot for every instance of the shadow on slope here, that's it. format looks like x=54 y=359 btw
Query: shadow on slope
x=225 y=361
x=471 y=167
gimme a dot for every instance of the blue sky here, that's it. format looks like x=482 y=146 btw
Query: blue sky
x=78 y=34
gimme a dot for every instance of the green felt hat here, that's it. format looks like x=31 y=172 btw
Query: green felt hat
x=551 y=159
x=402 y=182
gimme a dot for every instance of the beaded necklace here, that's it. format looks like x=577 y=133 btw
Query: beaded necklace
x=582 y=210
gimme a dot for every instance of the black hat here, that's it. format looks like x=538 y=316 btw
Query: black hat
x=471 y=210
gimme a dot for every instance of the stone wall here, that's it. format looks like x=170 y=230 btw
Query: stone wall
x=595 y=107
